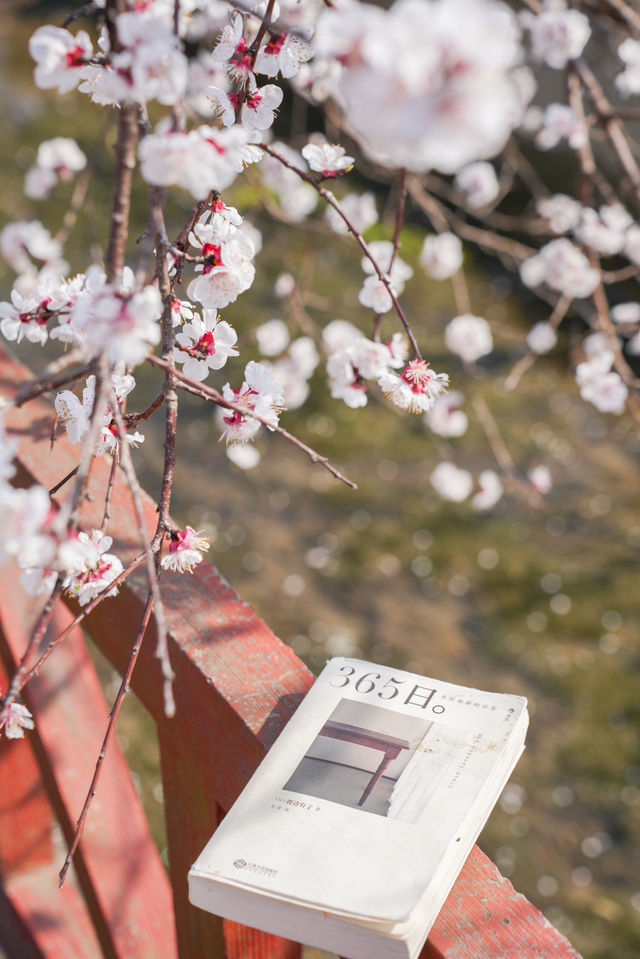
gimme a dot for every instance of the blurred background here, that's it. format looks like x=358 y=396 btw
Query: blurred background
x=541 y=602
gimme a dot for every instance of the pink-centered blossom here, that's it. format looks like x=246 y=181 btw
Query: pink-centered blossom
x=94 y=568
x=186 y=547
x=60 y=57
x=329 y=159
x=283 y=53
x=233 y=49
x=148 y=64
x=211 y=339
x=416 y=388
x=260 y=394
x=258 y=109
x=122 y=323
x=228 y=268
x=207 y=158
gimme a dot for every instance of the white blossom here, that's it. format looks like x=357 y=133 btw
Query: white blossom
x=626 y=313
x=541 y=338
x=382 y=252
x=284 y=286
x=540 y=479
x=479 y=183
x=562 y=212
x=601 y=385
x=632 y=244
x=445 y=417
x=15 y=720
x=211 y=338
x=469 y=336
x=559 y=122
x=283 y=53
x=257 y=111
x=563 y=267
x=259 y=393
x=24 y=241
x=122 y=323
x=60 y=57
x=94 y=569
x=359 y=208
x=243 y=456
x=185 y=550
x=228 y=269
x=147 y=65
x=205 y=159
x=375 y=295
x=272 y=337
x=416 y=389
x=329 y=159
x=558 y=35
x=490 y=490
x=441 y=255
x=604 y=230
x=628 y=82
x=451 y=482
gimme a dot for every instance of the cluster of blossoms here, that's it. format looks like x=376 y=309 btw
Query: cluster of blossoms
x=31 y=537
x=599 y=383
x=416 y=92
x=419 y=92
x=75 y=414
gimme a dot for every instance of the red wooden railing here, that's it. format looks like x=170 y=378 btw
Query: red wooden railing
x=236 y=686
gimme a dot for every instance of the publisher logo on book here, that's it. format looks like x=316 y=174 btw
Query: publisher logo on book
x=239 y=863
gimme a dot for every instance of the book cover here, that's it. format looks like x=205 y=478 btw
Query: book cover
x=380 y=773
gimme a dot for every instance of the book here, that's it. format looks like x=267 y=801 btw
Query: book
x=352 y=830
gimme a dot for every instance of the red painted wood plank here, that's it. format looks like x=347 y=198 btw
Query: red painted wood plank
x=57 y=919
x=485 y=916
x=236 y=687
x=119 y=869
x=25 y=814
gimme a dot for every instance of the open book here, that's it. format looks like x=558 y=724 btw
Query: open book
x=354 y=827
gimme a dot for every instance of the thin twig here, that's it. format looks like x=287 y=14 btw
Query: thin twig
x=213 y=396
x=65 y=479
x=328 y=196
x=113 y=717
x=152 y=575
